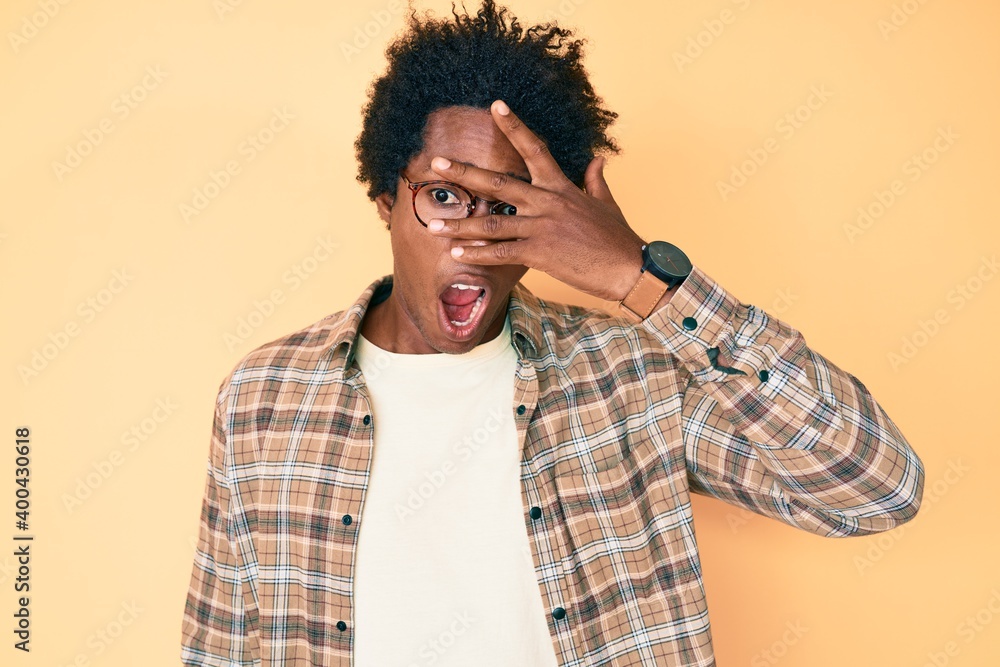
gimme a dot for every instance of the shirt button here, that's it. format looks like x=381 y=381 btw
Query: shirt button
x=521 y=409
x=559 y=613
x=346 y=519
x=341 y=626
x=535 y=513
x=367 y=420
x=689 y=323
x=764 y=376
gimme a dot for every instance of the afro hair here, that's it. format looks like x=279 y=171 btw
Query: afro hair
x=538 y=71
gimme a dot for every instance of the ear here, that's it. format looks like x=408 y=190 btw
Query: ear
x=384 y=203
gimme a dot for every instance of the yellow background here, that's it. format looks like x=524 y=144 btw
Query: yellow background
x=895 y=75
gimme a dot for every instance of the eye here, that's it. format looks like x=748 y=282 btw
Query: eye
x=444 y=196
x=503 y=208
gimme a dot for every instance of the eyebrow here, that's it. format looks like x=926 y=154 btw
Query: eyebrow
x=526 y=179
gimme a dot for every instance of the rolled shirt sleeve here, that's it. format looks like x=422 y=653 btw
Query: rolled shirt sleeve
x=775 y=427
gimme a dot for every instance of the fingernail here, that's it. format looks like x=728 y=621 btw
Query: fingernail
x=457 y=251
x=435 y=225
x=502 y=108
x=441 y=163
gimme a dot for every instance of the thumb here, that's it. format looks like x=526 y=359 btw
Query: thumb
x=594 y=182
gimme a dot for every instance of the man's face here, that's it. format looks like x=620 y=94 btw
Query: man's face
x=425 y=312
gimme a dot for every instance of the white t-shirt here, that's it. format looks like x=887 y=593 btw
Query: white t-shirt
x=444 y=574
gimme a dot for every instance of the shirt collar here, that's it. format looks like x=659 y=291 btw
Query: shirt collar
x=523 y=308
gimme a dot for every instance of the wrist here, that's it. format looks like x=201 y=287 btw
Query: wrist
x=629 y=273
x=665 y=299
x=653 y=283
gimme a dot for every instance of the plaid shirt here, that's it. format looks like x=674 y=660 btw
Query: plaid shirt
x=617 y=424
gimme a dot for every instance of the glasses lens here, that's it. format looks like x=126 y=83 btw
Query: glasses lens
x=503 y=208
x=439 y=200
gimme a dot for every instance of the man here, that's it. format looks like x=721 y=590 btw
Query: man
x=453 y=471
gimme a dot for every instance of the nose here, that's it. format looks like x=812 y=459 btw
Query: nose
x=485 y=208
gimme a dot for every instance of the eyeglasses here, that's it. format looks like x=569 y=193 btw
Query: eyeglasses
x=447 y=201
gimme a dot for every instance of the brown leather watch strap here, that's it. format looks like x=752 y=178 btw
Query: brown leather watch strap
x=641 y=301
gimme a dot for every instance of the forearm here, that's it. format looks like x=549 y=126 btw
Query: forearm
x=814 y=429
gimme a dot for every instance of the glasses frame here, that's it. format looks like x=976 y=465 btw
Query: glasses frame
x=415 y=188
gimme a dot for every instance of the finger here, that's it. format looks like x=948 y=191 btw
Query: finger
x=489 y=227
x=541 y=164
x=594 y=182
x=503 y=252
x=494 y=184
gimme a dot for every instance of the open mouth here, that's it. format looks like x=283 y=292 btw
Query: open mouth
x=461 y=307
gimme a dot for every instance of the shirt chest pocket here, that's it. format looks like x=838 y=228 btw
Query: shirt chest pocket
x=631 y=540
x=606 y=507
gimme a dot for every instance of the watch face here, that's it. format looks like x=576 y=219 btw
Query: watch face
x=669 y=259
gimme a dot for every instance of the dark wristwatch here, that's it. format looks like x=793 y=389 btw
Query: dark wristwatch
x=664 y=266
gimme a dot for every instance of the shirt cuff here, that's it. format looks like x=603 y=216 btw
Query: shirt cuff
x=757 y=366
x=697 y=319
